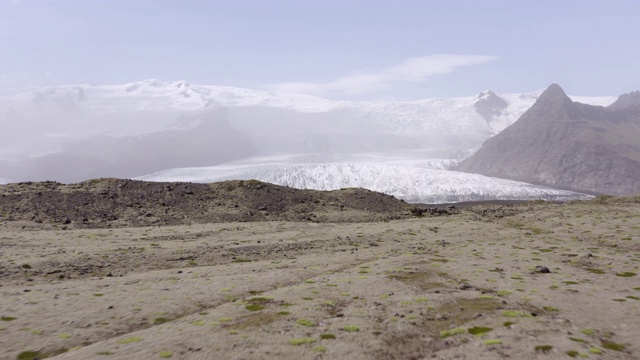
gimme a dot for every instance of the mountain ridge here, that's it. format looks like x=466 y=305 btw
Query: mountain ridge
x=79 y=132
x=567 y=145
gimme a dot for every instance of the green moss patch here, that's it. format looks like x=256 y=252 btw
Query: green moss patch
x=595 y=271
x=30 y=355
x=351 y=328
x=595 y=350
x=587 y=331
x=492 y=342
x=302 y=341
x=626 y=274
x=514 y=313
x=543 y=348
x=479 y=330
x=612 y=346
x=130 y=340
x=452 y=332
x=305 y=322
x=160 y=320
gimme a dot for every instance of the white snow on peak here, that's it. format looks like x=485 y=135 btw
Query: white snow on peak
x=594 y=100
x=156 y=95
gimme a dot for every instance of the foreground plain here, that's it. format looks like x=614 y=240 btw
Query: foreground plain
x=461 y=286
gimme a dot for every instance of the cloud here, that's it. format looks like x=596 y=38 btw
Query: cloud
x=415 y=70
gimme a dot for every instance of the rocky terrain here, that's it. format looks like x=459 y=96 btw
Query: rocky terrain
x=568 y=145
x=106 y=203
x=365 y=278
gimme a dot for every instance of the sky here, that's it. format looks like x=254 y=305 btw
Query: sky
x=338 y=49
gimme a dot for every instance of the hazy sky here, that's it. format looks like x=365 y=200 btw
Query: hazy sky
x=340 y=49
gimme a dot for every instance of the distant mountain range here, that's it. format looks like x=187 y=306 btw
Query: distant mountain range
x=153 y=129
x=71 y=133
x=568 y=145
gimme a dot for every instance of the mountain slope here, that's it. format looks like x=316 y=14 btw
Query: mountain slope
x=565 y=144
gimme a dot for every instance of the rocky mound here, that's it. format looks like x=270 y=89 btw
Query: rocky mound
x=568 y=145
x=126 y=203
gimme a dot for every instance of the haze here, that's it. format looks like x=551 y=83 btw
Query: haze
x=312 y=94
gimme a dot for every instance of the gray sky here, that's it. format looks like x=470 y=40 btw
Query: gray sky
x=339 y=49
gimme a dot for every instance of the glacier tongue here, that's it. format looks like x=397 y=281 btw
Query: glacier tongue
x=413 y=180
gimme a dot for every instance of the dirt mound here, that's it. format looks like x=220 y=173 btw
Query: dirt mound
x=105 y=203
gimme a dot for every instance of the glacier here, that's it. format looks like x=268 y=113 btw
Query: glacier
x=405 y=177
x=157 y=130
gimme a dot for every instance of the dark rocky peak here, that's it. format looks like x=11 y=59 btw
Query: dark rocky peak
x=552 y=100
x=553 y=92
x=489 y=104
x=630 y=100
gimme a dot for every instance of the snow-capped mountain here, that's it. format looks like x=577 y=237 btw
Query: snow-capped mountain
x=414 y=180
x=45 y=118
x=72 y=133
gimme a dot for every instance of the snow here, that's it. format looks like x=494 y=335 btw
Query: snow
x=153 y=105
x=595 y=100
x=155 y=95
x=414 y=180
x=43 y=121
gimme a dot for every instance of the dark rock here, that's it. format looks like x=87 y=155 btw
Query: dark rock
x=568 y=145
x=542 y=269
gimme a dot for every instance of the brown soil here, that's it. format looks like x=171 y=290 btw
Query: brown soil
x=463 y=286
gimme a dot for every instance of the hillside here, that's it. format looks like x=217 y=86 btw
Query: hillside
x=568 y=145
x=106 y=203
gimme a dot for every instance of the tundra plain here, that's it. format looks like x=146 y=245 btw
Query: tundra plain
x=471 y=284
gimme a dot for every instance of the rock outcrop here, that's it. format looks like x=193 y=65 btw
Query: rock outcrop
x=568 y=145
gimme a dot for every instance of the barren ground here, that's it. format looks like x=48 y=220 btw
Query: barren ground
x=463 y=286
